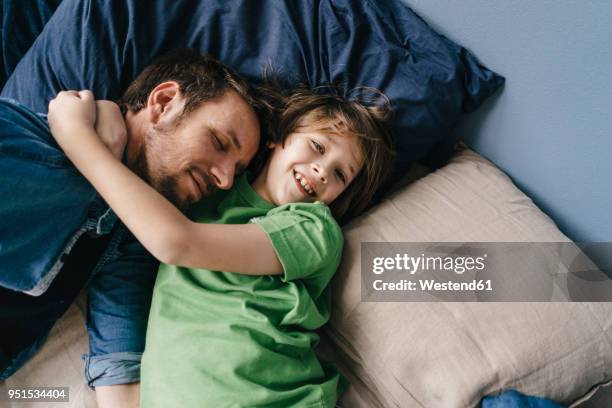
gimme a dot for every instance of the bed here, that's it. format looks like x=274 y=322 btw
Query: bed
x=404 y=354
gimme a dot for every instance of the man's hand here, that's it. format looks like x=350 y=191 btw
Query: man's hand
x=110 y=127
x=69 y=113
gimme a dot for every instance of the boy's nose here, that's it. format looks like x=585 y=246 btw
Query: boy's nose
x=320 y=172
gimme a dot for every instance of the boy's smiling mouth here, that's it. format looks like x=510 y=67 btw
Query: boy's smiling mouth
x=303 y=184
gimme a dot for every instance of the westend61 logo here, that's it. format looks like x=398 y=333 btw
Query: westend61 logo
x=480 y=272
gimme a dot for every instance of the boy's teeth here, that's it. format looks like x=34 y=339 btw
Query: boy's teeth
x=306 y=186
x=304 y=183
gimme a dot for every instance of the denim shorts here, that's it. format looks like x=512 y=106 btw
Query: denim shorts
x=118 y=301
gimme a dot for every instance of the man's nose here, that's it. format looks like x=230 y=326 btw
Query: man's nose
x=320 y=172
x=224 y=176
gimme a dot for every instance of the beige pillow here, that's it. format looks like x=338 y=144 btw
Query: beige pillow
x=453 y=354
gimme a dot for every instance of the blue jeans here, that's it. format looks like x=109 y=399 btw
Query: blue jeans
x=514 y=399
x=57 y=236
x=118 y=304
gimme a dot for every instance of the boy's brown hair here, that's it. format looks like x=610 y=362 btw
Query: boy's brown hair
x=362 y=115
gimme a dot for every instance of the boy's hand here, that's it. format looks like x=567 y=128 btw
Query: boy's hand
x=69 y=112
x=110 y=127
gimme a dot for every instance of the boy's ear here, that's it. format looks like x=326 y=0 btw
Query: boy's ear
x=270 y=144
x=165 y=103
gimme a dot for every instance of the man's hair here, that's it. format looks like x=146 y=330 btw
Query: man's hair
x=200 y=77
x=364 y=114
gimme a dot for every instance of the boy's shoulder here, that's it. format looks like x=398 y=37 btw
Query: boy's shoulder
x=307 y=240
x=315 y=219
x=318 y=207
x=316 y=212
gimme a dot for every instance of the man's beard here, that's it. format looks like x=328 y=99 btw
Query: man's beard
x=167 y=186
x=163 y=181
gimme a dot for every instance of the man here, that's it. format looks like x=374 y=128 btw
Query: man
x=192 y=124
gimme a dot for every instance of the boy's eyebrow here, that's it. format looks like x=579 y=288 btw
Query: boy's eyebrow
x=329 y=139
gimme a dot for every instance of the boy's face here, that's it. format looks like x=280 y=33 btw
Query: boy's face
x=311 y=166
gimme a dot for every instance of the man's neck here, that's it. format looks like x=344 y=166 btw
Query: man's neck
x=135 y=137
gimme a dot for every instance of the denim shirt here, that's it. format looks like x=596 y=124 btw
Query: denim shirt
x=46 y=205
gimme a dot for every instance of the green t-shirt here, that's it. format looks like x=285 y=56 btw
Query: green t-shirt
x=220 y=339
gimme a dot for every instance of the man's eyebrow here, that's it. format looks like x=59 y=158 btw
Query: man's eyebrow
x=234 y=139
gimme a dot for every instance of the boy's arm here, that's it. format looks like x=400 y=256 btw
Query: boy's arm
x=110 y=127
x=155 y=222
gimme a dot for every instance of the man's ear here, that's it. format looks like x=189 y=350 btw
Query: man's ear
x=165 y=103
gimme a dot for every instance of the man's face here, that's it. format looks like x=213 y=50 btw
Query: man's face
x=204 y=152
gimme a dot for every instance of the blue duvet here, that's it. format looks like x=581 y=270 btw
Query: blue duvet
x=102 y=45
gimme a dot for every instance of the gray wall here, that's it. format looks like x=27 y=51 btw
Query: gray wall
x=551 y=127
